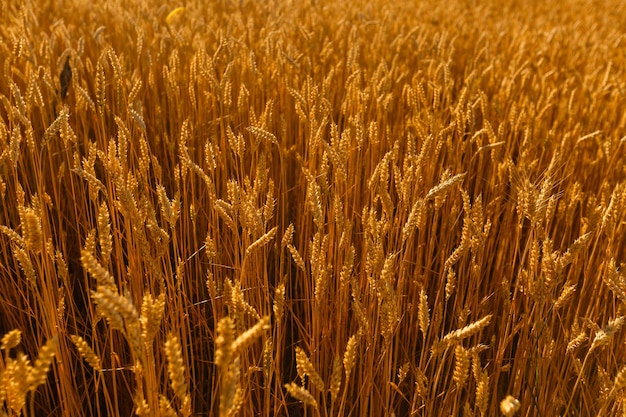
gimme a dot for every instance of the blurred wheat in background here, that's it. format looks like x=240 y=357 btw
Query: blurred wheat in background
x=315 y=208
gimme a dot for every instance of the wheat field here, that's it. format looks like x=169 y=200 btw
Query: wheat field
x=312 y=208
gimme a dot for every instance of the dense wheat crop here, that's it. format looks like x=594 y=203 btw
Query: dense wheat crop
x=312 y=208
